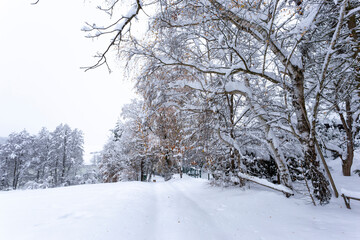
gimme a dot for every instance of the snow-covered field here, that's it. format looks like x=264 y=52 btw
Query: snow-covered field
x=179 y=209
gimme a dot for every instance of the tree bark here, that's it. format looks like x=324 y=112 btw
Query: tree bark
x=348 y=161
x=320 y=184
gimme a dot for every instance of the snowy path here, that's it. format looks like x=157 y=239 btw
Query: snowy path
x=180 y=213
x=179 y=209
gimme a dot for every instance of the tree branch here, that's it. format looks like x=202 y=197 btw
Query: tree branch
x=118 y=37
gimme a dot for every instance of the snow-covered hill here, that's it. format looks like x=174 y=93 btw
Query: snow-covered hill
x=179 y=209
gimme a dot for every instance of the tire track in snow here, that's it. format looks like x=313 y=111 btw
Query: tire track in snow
x=181 y=217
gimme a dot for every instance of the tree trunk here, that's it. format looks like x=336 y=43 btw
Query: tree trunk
x=311 y=164
x=347 y=163
x=142 y=170
x=284 y=174
x=63 y=162
x=56 y=172
x=14 y=185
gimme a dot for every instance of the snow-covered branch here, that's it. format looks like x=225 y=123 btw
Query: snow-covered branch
x=119 y=27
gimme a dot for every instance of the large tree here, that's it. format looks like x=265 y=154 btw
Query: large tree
x=271 y=56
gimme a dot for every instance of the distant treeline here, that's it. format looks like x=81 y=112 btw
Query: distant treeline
x=48 y=159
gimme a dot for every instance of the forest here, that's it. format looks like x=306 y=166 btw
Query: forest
x=48 y=159
x=252 y=91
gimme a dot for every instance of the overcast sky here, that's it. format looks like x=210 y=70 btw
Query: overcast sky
x=41 y=83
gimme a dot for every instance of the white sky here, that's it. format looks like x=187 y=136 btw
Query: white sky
x=41 y=83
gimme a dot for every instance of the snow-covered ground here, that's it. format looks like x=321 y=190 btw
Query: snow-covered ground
x=185 y=208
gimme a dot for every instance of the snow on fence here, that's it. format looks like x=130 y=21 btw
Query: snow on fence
x=266 y=183
x=347 y=195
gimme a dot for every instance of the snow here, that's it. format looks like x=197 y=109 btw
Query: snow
x=350 y=186
x=221 y=39
x=237 y=87
x=12 y=156
x=185 y=208
x=353 y=11
x=266 y=183
x=194 y=85
x=334 y=147
x=132 y=11
x=121 y=24
x=307 y=22
x=350 y=193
